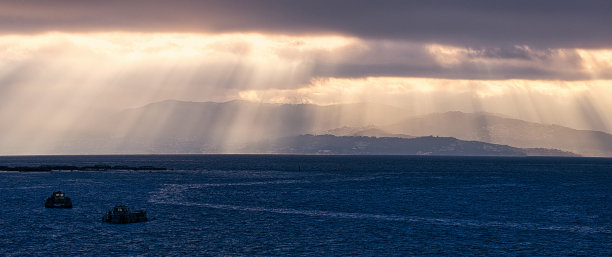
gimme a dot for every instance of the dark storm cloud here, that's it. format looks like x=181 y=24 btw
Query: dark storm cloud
x=542 y=24
x=399 y=59
x=503 y=53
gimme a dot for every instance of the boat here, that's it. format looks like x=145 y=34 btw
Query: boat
x=58 y=200
x=122 y=214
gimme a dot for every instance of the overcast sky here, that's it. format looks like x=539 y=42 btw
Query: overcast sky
x=477 y=23
x=548 y=61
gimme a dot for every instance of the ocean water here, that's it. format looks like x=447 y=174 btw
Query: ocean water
x=313 y=205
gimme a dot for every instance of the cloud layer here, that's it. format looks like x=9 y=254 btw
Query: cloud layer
x=479 y=23
x=62 y=61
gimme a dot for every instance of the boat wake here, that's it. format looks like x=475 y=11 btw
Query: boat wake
x=172 y=195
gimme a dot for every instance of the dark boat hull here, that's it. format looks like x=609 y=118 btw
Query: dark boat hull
x=66 y=203
x=133 y=217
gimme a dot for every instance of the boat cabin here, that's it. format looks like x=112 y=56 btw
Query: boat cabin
x=121 y=209
x=121 y=214
x=58 y=200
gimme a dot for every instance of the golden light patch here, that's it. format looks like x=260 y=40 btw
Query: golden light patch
x=249 y=95
x=166 y=45
x=596 y=61
x=391 y=86
x=447 y=55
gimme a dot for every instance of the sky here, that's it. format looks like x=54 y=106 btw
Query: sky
x=542 y=61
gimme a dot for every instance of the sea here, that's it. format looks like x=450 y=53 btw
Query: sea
x=317 y=205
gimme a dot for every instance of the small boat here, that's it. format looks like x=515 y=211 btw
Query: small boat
x=58 y=200
x=121 y=214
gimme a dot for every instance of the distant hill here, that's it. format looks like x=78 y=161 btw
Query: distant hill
x=329 y=144
x=497 y=130
x=368 y=131
x=209 y=127
x=233 y=123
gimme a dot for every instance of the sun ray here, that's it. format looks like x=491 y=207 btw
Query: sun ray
x=59 y=80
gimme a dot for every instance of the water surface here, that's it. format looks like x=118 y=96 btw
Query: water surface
x=313 y=205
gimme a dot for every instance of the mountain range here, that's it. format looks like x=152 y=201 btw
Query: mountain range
x=507 y=131
x=362 y=145
x=241 y=126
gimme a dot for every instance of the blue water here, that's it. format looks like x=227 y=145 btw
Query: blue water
x=313 y=205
